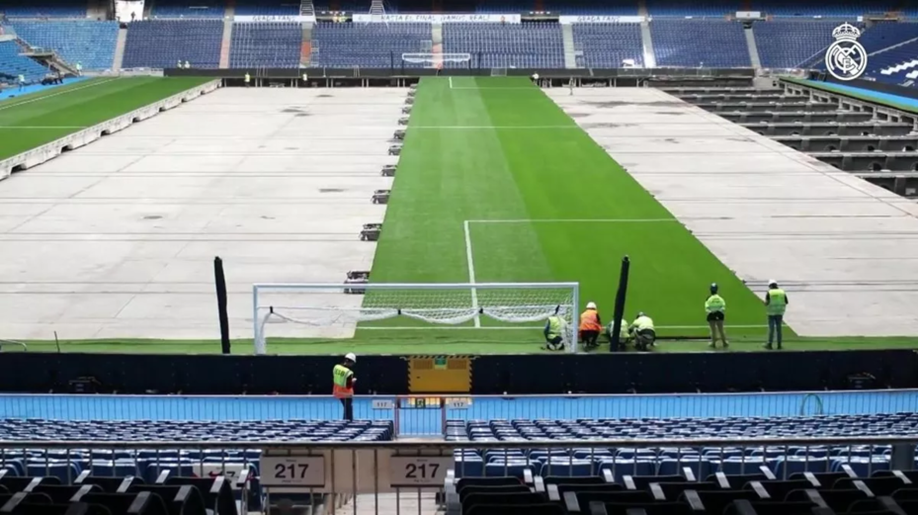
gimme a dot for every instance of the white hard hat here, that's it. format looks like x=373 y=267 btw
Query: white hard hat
x=591 y=305
x=772 y=281
x=351 y=357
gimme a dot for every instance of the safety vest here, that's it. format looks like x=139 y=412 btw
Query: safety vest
x=714 y=304
x=21 y=78
x=340 y=375
x=642 y=323
x=589 y=321
x=777 y=301
x=555 y=327
x=247 y=78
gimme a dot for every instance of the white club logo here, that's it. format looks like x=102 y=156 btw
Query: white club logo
x=846 y=58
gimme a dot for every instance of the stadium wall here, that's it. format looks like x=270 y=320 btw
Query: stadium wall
x=597 y=373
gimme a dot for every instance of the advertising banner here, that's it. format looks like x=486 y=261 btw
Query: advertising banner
x=291 y=19
x=600 y=19
x=437 y=18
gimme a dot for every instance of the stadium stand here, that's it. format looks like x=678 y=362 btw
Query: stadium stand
x=788 y=44
x=186 y=9
x=606 y=45
x=267 y=8
x=530 y=45
x=43 y=9
x=887 y=34
x=90 y=43
x=370 y=45
x=709 y=43
x=683 y=8
x=271 y=44
x=828 y=9
x=12 y=64
x=895 y=65
x=161 y=43
x=592 y=7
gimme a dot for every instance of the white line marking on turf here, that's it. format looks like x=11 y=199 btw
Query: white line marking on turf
x=496 y=127
x=577 y=220
x=450 y=83
x=534 y=327
x=92 y=85
x=468 y=257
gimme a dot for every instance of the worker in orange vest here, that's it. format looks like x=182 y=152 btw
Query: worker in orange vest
x=343 y=386
x=590 y=326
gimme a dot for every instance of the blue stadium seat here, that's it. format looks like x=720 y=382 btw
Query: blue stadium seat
x=606 y=45
x=790 y=44
x=371 y=45
x=492 y=45
x=12 y=64
x=188 y=9
x=708 y=43
x=836 y=9
x=683 y=8
x=42 y=9
x=90 y=43
x=271 y=44
x=267 y=8
x=162 y=43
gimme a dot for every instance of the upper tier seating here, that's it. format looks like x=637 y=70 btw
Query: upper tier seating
x=371 y=45
x=267 y=7
x=530 y=45
x=12 y=64
x=43 y=9
x=90 y=43
x=592 y=7
x=606 y=45
x=161 y=43
x=275 y=45
x=182 y=430
x=188 y=9
x=682 y=8
x=835 y=9
x=884 y=35
x=787 y=44
x=895 y=66
x=708 y=43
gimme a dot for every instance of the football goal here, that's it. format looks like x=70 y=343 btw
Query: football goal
x=330 y=311
x=442 y=60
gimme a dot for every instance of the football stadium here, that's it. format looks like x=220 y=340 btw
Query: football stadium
x=563 y=257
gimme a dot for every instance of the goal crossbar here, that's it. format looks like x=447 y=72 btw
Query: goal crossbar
x=331 y=309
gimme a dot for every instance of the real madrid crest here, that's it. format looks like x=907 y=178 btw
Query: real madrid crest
x=846 y=58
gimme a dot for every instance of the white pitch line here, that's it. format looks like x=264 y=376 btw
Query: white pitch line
x=92 y=85
x=450 y=83
x=578 y=220
x=495 y=127
x=532 y=327
x=468 y=257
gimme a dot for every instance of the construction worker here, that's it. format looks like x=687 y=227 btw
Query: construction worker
x=623 y=335
x=179 y=65
x=590 y=326
x=775 y=305
x=643 y=332
x=187 y=65
x=554 y=332
x=21 y=81
x=343 y=386
x=715 y=307
x=79 y=69
x=248 y=79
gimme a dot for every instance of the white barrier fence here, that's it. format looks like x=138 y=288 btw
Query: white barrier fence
x=49 y=151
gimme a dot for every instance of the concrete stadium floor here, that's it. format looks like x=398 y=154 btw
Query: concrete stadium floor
x=846 y=251
x=117 y=239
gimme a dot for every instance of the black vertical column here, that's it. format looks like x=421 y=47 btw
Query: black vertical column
x=619 y=312
x=220 y=280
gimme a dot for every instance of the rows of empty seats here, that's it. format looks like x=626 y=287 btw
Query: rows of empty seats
x=788 y=44
x=735 y=427
x=162 y=43
x=187 y=9
x=275 y=45
x=530 y=45
x=181 y=430
x=12 y=64
x=606 y=45
x=373 y=45
x=897 y=65
x=267 y=7
x=696 y=43
x=90 y=43
x=42 y=9
x=703 y=8
x=756 y=493
x=173 y=495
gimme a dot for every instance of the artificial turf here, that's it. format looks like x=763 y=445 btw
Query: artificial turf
x=32 y=120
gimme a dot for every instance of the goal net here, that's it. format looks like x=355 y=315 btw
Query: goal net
x=331 y=311
x=430 y=60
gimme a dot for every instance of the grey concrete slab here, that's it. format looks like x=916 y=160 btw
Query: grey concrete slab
x=117 y=239
x=767 y=211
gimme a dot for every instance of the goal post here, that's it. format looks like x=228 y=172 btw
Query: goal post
x=437 y=60
x=334 y=310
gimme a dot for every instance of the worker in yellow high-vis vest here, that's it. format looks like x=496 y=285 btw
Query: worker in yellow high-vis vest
x=554 y=332
x=343 y=384
x=775 y=305
x=248 y=80
x=716 y=308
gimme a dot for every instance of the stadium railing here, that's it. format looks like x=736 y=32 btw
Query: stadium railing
x=427 y=415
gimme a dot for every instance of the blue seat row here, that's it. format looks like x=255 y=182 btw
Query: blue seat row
x=87 y=42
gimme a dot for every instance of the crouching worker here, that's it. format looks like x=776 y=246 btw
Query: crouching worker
x=554 y=332
x=643 y=332
x=624 y=337
x=590 y=326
